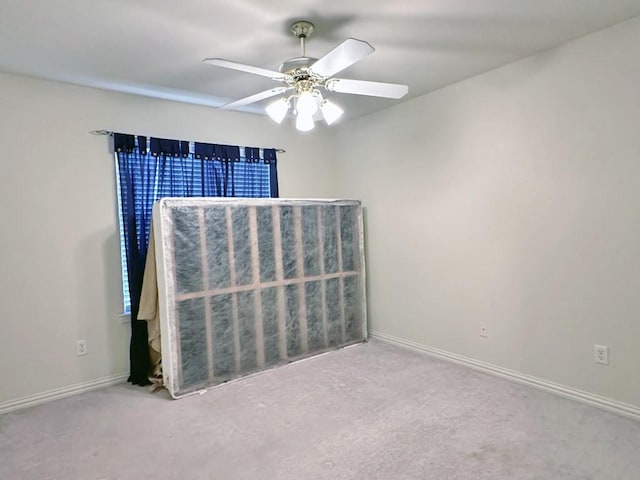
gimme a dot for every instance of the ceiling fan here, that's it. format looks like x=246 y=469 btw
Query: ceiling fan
x=304 y=78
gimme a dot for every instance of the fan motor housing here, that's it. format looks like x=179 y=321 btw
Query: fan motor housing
x=297 y=66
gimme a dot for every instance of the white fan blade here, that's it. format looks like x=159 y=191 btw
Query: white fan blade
x=221 y=62
x=373 y=89
x=344 y=55
x=254 y=98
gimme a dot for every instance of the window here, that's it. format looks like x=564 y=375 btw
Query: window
x=187 y=176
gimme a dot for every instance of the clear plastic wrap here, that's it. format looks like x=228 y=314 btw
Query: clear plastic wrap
x=246 y=284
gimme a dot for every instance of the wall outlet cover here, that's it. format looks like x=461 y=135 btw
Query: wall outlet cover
x=484 y=331
x=81 y=347
x=601 y=354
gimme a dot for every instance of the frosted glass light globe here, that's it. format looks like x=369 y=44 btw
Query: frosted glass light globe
x=330 y=111
x=307 y=104
x=277 y=110
x=304 y=123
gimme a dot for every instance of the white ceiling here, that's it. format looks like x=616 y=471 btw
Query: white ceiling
x=155 y=47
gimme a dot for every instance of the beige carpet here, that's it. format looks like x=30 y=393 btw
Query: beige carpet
x=373 y=411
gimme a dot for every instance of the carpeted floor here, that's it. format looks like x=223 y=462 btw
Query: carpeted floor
x=373 y=411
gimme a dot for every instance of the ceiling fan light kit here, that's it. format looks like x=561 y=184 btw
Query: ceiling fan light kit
x=305 y=77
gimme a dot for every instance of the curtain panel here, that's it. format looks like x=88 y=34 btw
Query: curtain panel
x=153 y=168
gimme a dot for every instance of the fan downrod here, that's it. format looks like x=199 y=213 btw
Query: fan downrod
x=298 y=66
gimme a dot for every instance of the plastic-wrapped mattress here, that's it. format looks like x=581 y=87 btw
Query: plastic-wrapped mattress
x=246 y=284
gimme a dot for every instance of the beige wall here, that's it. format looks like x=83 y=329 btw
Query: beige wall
x=59 y=269
x=512 y=200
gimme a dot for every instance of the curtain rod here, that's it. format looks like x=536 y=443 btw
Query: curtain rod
x=108 y=132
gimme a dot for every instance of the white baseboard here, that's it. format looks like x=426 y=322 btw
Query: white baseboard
x=58 y=393
x=584 y=397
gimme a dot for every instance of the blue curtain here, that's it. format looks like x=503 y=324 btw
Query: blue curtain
x=153 y=168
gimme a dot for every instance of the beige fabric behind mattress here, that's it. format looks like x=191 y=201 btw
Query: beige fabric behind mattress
x=150 y=311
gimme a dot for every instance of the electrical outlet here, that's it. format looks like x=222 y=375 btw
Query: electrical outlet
x=483 y=331
x=601 y=354
x=81 y=347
